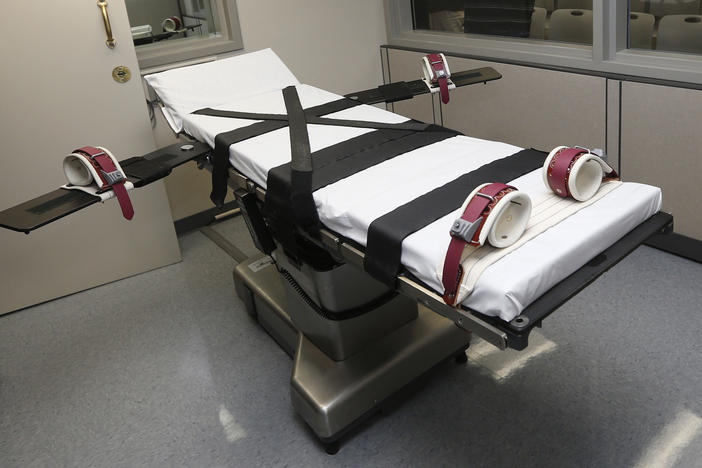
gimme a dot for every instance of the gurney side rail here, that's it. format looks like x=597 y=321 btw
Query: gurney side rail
x=518 y=329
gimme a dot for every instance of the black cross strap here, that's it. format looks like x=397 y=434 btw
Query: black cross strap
x=270 y=122
x=301 y=201
x=386 y=93
x=223 y=141
x=313 y=119
x=386 y=233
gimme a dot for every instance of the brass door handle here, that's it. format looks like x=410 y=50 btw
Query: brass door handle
x=102 y=4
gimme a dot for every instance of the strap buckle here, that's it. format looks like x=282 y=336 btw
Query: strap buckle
x=485 y=195
x=464 y=229
x=113 y=177
x=438 y=70
x=596 y=152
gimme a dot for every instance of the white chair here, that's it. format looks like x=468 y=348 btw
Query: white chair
x=571 y=26
x=574 y=4
x=538 y=24
x=674 y=7
x=446 y=20
x=680 y=33
x=641 y=30
x=545 y=4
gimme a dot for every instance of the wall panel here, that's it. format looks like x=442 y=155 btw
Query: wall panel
x=612 y=121
x=530 y=107
x=661 y=143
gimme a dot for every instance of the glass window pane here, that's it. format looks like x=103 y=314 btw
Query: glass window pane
x=567 y=21
x=168 y=20
x=668 y=25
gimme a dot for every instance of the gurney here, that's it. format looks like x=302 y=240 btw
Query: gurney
x=357 y=340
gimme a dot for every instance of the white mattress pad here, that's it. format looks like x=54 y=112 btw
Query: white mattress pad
x=186 y=89
x=350 y=205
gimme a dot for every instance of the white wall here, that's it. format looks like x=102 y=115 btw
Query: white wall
x=327 y=43
x=332 y=44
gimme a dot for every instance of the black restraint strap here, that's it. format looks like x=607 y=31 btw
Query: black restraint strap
x=220 y=155
x=289 y=203
x=223 y=141
x=301 y=201
x=279 y=179
x=290 y=186
x=348 y=148
x=331 y=173
x=312 y=119
x=240 y=115
x=385 y=234
x=344 y=159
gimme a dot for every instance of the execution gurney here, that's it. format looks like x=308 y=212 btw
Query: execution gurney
x=356 y=340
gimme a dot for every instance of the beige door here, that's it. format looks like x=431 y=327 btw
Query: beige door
x=58 y=94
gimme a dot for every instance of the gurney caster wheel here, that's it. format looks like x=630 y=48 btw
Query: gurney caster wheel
x=332 y=447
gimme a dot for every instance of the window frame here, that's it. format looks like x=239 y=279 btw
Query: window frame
x=229 y=40
x=609 y=54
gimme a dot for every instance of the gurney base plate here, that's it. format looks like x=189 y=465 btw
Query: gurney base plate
x=335 y=396
x=332 y=396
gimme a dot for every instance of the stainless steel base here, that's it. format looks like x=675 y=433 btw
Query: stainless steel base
x=331 y=396
x=259 y=285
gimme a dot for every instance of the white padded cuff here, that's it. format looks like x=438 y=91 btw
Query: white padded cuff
x=170 y=24
x=507 y=220
x=81 y=173
x=585 y=176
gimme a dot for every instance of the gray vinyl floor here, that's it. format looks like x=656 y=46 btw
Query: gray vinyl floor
x=167 y=369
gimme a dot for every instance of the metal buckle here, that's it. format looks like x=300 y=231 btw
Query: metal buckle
x=113 y=177
x=597 y=151
x=489 y=197
x=464 y=229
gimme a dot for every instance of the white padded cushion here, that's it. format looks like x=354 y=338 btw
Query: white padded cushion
x=184 y=90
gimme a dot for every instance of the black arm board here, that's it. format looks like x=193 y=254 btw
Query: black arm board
x=140 y=170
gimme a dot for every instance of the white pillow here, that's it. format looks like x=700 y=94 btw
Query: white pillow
x=184 y=90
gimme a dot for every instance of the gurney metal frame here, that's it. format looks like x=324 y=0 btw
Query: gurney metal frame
x=334 y=393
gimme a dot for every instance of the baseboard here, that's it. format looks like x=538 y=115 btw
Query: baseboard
x=677 y=244
x=203 y=218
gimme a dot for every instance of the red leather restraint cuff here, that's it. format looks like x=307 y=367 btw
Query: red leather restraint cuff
x=466 y=230
x=110 y=176
x=171 y=24
x=440 y=75
x=567 y=177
